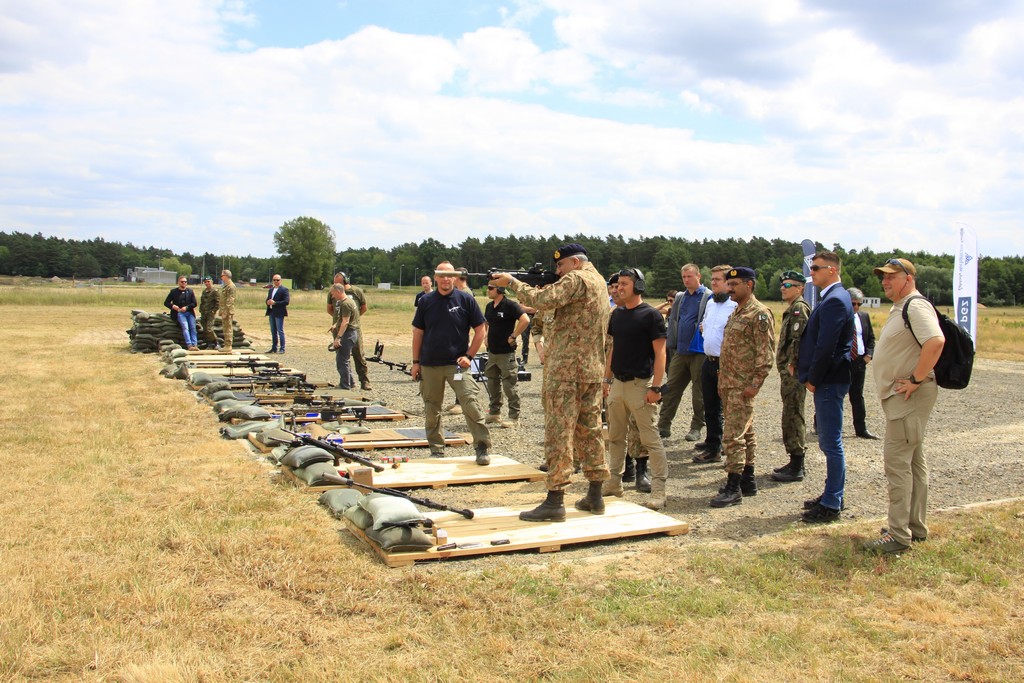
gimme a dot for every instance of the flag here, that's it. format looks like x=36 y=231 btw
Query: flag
x=810 y=291
x=965 y=281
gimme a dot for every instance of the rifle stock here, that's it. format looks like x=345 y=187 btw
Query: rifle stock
x=535 y=276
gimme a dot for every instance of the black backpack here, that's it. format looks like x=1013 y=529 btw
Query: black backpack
x=953 y=369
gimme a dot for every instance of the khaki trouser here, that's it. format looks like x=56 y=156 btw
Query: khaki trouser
x=906 y=468
x=432 y=381
x=625 y=400
x=738 y=440
x=229 y=333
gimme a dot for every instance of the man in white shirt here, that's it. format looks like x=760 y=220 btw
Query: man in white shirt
x=712 y=326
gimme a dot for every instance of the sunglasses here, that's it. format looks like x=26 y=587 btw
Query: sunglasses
x=789 y=285
x=855 y=303
x=817 y=268
x=899 y=264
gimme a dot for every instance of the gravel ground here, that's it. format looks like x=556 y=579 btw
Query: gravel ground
x=974 y=448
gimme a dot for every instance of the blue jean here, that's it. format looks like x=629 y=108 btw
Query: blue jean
x=188 y=328
x=276 y=332
x=828 y=405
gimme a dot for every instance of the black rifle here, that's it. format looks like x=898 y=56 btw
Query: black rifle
x=377 y=357
x=330 y=410
x=334 y=449
x=425 y=502
x=253 y=364
x=535 y=276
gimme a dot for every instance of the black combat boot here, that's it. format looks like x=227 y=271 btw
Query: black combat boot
x=551 y=510
x=592 y=502
x=629 y=474
x=643 y=477
x=730 y=494
x=794 y=471
x=748 y=487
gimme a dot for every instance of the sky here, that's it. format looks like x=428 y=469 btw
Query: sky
x=204 y=125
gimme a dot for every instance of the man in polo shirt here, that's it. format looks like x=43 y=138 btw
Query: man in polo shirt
x=442 y=353
x=506 y=320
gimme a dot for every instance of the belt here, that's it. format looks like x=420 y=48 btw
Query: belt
x=713 y=359
x=630 y=378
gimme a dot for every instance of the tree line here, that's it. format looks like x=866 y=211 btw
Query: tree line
x=307 y=254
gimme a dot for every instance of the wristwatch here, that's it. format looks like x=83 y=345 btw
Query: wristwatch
x=913 y=380
x=656 y=390
x=607 y=380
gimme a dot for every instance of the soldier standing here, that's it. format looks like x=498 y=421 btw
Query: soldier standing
x=748 y=349
x=505 y=321
x=227 y=308
x=573 y=369
x=208 y=305
x=793 y=392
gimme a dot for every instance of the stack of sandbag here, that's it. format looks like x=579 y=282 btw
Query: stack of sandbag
x=390 y=522
x=150 y=329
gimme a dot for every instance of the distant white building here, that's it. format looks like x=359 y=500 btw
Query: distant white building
x=157 y=276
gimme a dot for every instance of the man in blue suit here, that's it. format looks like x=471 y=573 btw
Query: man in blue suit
x=277 y=311
x=824 y=368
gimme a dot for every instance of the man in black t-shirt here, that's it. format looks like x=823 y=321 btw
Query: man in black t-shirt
x=506 y=320
x=633 y=375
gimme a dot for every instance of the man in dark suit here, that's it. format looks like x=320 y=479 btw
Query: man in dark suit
x=824 y=368
x=861 y=352
x=277 y=311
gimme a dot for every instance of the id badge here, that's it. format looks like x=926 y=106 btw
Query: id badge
x=458 y=377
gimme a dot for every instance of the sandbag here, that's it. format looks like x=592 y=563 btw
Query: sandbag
x=358 y=516
x=304 y=456
x=245 y=412
x=313 y=475
x=388 y=510
x=227 y=394
x=242 y=430
x=200 y=379
x=399 y=538
x=213 y=387
x=339 y=500
x=225 y=404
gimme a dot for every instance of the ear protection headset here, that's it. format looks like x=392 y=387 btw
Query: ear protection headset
x=639 y=284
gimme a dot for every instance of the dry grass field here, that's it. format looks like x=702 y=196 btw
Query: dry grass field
x=139 y=546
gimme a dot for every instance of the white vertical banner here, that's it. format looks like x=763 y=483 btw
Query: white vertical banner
x=965 y=281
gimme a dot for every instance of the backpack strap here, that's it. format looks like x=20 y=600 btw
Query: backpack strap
x=906 y=317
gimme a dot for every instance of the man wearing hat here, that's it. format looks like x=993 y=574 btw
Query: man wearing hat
x=824 y=368
x=794 y=427
x=208 y=306
x=442 y=353
x=505 y=321
x=573 y=370
x=906 y=387
x=748 y=349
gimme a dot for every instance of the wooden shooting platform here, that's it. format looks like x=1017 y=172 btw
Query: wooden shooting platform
x=242 y=371
x=215 y=358
x=434 y=473
x=621 y=519
x=381 y=438
x=373 y=413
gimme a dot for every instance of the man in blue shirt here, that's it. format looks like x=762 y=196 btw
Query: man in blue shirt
x=442 y=353
x=685 y=339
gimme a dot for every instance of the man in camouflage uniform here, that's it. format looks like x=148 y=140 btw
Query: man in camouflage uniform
x=573 y=369
x=794 y=428
x=208 y=305
x=748 y=349
x=357 y=351
x=227 y=308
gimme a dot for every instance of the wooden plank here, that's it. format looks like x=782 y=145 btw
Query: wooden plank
x=436 y=473
x=622 y=519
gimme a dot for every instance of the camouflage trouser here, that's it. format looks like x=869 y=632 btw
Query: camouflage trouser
x=502 y=373
x=626 y=402
x=738 y=440
x=208 y=334
x=794 y=427
x=229 y=333
x=359 y=359
x=634 y=447
x=572 y=421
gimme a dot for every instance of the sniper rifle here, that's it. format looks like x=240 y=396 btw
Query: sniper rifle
x=331 y=447
x=425 y=502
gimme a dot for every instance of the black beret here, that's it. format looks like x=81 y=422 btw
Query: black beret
x=741 y=273
x=567 y=250
x=793 y=275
